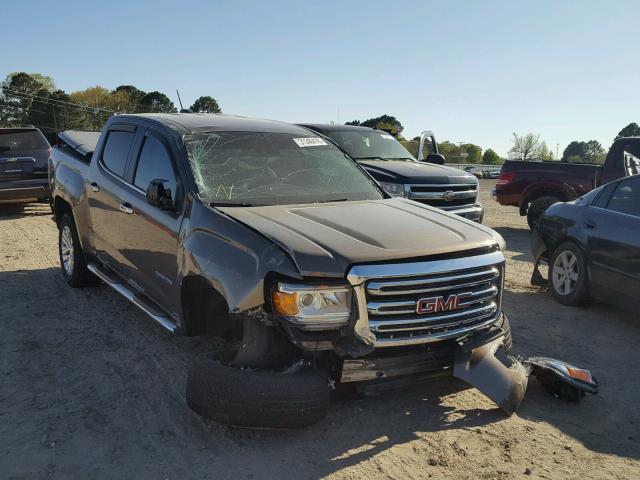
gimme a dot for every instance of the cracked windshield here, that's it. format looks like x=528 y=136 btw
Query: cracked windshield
x=251 y=169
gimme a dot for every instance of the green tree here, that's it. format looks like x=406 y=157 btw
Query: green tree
x=157 y=102
x=205 y=104
x=353 y=122
x=584 y=152
x=129 y=98
x=474 y=152
x=490 y=157
x=575 y=150
x=18 y=92
x=631 y=130
x=384 y=122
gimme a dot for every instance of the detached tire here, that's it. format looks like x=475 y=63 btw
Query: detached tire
x=537 y=208
x=256 y=398
x=568 y=275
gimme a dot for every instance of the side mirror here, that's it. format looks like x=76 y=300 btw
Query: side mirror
x=435 y=158
x=158 y=195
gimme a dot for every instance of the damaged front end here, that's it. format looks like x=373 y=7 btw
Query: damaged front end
x=402 y=323
x=504 y=378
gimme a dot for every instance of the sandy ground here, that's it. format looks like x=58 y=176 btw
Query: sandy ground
x=90 y=388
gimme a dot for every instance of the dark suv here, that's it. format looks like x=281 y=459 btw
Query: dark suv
x=402 y=175
x=23 y=165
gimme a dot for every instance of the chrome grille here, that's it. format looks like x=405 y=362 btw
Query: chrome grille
x=467 y=291
x=446 y=197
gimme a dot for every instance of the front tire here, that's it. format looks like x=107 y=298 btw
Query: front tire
x=537 y=208
x=72 y=262
x=568 y=275
x=253 y=398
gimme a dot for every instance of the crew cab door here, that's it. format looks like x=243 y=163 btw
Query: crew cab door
x=613 y=226
x=151 y=233
x=107 y=193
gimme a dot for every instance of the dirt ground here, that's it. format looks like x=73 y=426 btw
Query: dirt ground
x=90 y=388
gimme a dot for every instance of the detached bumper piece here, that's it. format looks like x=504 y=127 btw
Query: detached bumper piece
x=504 y=379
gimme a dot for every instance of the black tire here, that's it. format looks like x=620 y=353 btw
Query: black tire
x=577 y=292
x=76 y=273
x=537 y=208
x=256 y=398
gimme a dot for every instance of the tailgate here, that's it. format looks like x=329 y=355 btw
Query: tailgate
x=16 y=168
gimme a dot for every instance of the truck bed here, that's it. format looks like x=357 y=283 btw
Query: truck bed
x=80 y=142
x=518 y=179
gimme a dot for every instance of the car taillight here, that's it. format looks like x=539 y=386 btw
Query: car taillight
x=506 y=177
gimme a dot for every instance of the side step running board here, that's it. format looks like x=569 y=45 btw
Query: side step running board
x=143 y=304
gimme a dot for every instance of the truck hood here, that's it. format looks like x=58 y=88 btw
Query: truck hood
x=400 y=171
x=326 y=239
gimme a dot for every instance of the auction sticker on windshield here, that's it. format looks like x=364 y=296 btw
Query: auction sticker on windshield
x=309 y=141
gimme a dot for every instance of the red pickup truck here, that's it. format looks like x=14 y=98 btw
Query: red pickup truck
x=534 y=186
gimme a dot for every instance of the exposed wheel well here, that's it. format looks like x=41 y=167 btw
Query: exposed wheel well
x=60 y=207
x=204 y=309
x=544 y=192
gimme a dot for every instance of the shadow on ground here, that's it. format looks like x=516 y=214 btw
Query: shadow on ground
x=90 y=387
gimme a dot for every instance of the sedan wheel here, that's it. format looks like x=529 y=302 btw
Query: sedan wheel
x=565 y=272
x=568 y=275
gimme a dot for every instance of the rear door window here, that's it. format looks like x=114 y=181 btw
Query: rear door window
x=626 y=198
x=116 y=151
x=155 y=163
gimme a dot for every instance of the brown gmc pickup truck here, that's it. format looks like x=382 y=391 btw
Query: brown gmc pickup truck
x=275 y=240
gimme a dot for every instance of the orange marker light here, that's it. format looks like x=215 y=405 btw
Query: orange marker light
x=580 y=374
x=285 y=303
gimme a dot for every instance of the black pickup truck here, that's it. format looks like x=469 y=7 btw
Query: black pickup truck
x=272 y=238
x=23 y=165
x=402 y=175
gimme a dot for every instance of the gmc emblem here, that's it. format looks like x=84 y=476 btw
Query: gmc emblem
x=439 y=304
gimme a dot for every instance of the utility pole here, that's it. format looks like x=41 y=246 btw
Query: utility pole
x=55 y=120
x=557 y=150
x=179 y=100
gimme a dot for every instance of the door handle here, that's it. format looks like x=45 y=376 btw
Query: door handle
x=590 y=224
x=94 y=187
x=126 y=208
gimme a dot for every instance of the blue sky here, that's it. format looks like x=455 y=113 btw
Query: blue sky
x=471 y=71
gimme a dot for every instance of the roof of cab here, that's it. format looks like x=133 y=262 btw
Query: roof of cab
x=203 y=122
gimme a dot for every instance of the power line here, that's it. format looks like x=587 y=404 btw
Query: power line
x=48 y=99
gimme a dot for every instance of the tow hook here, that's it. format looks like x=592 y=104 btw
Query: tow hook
x=504 y=378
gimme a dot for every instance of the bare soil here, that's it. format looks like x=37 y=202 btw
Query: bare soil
x=90 y=388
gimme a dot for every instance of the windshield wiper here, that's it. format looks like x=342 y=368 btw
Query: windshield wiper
x=408 y=159
x=233 y=204
x=333 y=200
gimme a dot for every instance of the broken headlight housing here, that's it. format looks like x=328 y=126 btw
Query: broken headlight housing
x=313 y=307
x=393 y=189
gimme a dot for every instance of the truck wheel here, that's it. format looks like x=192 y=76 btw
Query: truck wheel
x=72 y=263
x=256 y=398
x=568 y=275
x=537 y=208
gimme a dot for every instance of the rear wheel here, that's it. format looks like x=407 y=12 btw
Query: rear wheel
x=537 y=208
x=72 y=263
x=568 y=275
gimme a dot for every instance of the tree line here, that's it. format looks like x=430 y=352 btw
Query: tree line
x=34 y=99
x=527 y=147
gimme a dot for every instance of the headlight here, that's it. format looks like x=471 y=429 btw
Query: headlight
x=313 y=307
x=393 y=189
